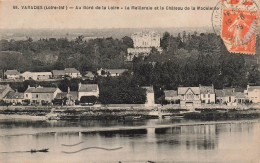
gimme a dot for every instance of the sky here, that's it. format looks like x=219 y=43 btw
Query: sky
x=58 y=19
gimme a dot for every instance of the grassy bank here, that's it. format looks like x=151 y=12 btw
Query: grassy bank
x=223 y=114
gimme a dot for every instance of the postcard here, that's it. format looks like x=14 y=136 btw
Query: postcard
x=129 y=81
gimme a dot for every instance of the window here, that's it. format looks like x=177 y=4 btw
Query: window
x=208 y=95
x=208 y=101
x=37 y=96
x=26 y=95
x=204 y=96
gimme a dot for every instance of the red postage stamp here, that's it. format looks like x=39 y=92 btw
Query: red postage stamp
x=238 y=30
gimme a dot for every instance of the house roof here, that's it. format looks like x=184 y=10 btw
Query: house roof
x=2 y=88
x=14 y=95
x=12 y=72
x=170 y=93
x=116 y=71
x=149 y=89
x=183 y=90
x=71 y=70
x=41 y=90
x=207 y=89
x=35 y=73
x=89 y=74
x=58 y=72
x=88 y=88
x=225 y=92
x=252 y=88
x=72 y=94
x=239 y=95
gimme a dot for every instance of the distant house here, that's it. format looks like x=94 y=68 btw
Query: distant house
x=89 y=75
x=253 y=93
x=36 y=75
x=58 y=74
x=225 y=96
x=72 y=72
x=88 y=90
x=111 y=72
x=12 y=74
x=41 y=95
x=189 y=96
x=4 y=89
x=171 y=96
x=149 y=96
x=70 y=97
x=14 y=97
x=207 y=94
x=240 y=97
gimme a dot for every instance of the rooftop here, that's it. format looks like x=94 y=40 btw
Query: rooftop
x=14 y=95
x=88 y=88
x=41 y=90
x=3 y=87
x=12 y=72
x=183 y=90
x=170 y=93
x=58 y=72
x=71 y=70
x=207 y=89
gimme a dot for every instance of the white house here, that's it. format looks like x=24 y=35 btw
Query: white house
x=36 y=75
x=12 y=74
x=41 y=95
x=149 y=96
x=88 y=90
x=253 y=93
x=207 y=94
x=189 y=96
x=72 y=72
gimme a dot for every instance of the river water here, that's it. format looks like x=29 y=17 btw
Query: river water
x=239 y=142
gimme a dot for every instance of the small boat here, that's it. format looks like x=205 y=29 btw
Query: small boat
x=40 y=150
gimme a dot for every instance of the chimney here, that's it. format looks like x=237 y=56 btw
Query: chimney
x=79 y=85
x=68 y=90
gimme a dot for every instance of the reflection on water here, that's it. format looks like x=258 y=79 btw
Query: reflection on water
x=202 y=143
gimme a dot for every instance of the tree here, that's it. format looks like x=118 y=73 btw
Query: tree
x=165 y=40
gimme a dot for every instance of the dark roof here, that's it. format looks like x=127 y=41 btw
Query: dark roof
x=225 y=92
x=71 y=70
x=12 y=72
x=206 y=90
x=170 y=93
x=14 y=95
x=183 y=90
x=58 y=72
x=149 y=89
x=41 y=90
x=88 y=88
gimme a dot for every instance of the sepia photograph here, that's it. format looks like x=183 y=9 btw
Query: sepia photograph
x=129 y=81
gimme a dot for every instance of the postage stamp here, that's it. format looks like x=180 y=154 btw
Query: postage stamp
x=238 y=30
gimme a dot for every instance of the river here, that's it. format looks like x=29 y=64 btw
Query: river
x=231 y=142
